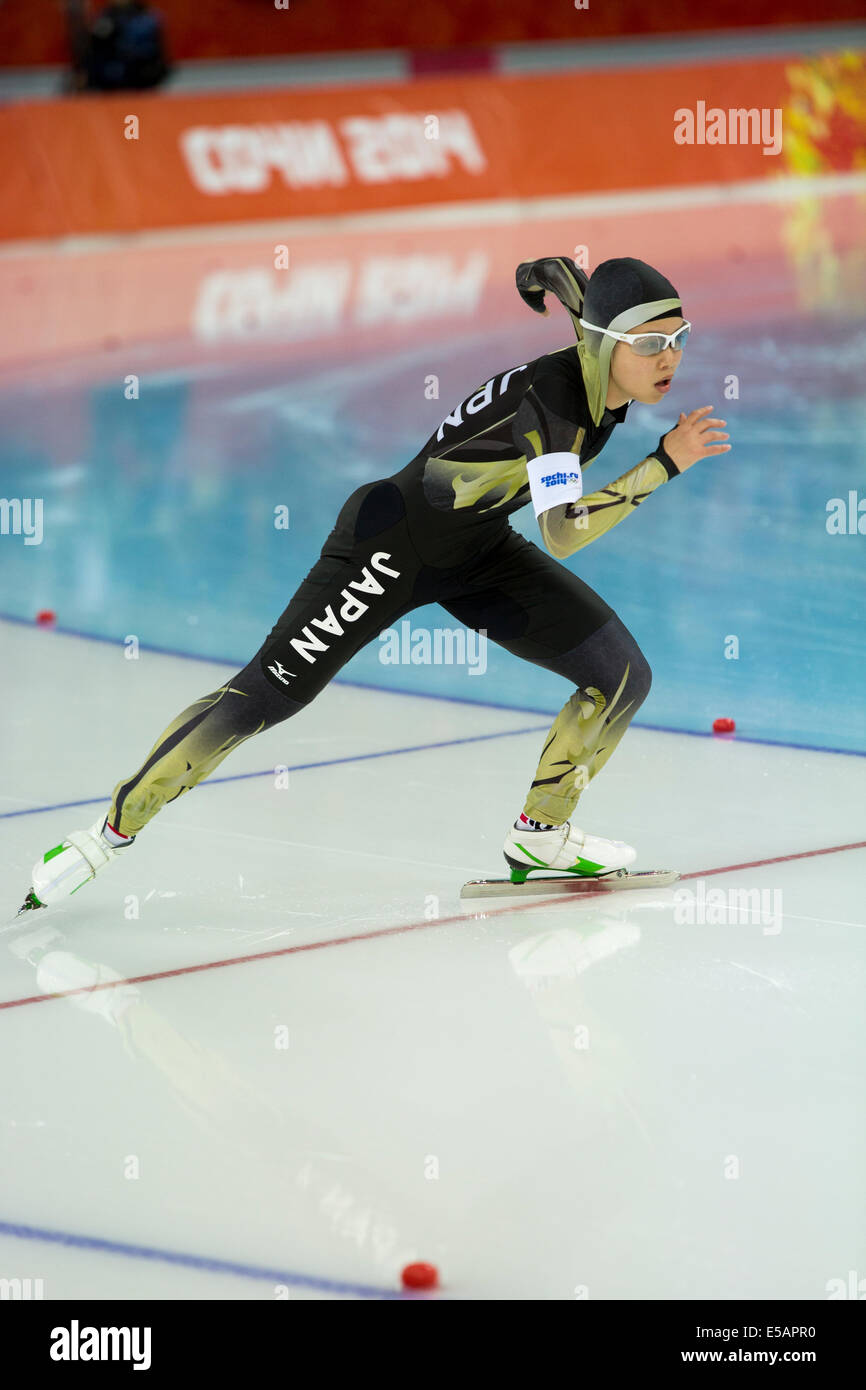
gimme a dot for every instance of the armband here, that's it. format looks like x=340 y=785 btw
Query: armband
x=554 y=479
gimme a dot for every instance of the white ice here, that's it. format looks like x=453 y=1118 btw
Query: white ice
x=550 y=1100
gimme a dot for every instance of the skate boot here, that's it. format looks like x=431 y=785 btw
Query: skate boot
x=563 y=849
x=67 y=867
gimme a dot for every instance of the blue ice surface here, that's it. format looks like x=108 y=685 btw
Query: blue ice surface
x=164 y=528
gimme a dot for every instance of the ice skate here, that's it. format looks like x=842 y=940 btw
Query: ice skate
x=68 y=866
x=567 y=861
x=565 y=849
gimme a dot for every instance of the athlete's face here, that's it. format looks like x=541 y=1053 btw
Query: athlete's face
x=645 y=379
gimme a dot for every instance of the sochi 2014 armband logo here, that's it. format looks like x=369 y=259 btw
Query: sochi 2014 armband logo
x=559 y=479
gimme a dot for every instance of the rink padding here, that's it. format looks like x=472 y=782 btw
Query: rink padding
x=138 y=161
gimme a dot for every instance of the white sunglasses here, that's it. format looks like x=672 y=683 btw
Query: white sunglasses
x=646 y=344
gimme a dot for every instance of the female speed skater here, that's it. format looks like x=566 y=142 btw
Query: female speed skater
x=438 y=531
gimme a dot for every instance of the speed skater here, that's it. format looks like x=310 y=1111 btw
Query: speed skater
x=439 y=531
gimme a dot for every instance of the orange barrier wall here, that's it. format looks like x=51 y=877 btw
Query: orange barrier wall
x=32 y=31
x=69 y=167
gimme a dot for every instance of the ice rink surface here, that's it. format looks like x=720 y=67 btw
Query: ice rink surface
x=271 y=1054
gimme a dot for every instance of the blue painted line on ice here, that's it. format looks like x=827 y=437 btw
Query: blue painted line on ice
x=206 y=1263
x=298 y=767
x=431 y=695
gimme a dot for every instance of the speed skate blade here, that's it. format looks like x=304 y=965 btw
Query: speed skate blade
x=560 y=886
x=30 y=903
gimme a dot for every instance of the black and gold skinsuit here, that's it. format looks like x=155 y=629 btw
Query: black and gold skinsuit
x=438 y=531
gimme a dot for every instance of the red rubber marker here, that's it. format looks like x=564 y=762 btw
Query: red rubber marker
x=420 y=1276
x=723 y=726
x=46 y=616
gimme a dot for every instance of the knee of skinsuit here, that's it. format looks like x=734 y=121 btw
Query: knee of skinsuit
x=271 y=702
x=602 y=661
x=640 y=676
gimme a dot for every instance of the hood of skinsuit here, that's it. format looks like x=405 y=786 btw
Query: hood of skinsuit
x=621 y=293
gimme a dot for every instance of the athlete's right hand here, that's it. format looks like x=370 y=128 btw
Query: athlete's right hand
x=693 y=438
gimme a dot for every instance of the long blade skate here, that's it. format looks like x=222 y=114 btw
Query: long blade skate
x=68 y=866
x=29 y=903
x=561 y=885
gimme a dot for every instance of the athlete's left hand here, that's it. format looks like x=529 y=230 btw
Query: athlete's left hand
x=694 y=437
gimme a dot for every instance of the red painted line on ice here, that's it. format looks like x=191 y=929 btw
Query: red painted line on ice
x=397 y=931
x=779 y=859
